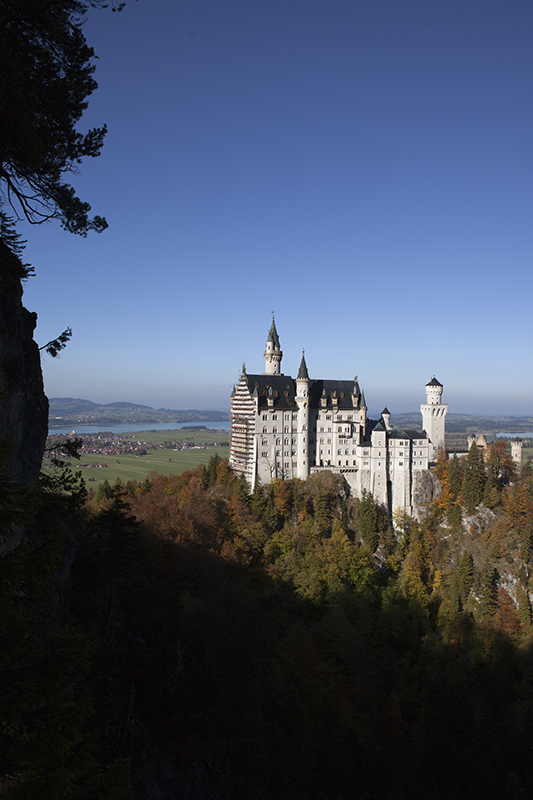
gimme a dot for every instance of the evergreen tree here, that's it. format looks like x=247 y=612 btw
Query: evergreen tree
x=47 y=75
x=371 y=521
x=473 y=479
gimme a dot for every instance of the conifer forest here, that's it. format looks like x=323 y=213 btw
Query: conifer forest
x=185 y=638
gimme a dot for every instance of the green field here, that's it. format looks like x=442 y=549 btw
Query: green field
x=128 y=466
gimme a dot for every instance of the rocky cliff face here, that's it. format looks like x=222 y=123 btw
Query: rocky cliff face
x=23 y=404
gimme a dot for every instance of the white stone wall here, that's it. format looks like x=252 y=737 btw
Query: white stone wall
x=433 y=421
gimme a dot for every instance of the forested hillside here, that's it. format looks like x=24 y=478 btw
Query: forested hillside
x=183 y=638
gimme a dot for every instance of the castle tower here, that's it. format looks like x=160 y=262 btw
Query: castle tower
x=516 y=451
x=433 y=416
x=272 y=354
x=302 y=400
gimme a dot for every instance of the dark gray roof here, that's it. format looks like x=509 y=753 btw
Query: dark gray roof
x=273 y=334
x=281 y=387
x=434 y=382
x=396 y=433
x=284 y=391
x=302 y=372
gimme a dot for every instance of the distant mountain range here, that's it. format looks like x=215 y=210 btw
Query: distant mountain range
x=69 y=410
x=463 y=423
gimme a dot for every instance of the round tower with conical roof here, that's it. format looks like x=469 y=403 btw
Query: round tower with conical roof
x=433 y=417
x=273 y=353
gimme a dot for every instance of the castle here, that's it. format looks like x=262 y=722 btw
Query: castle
x=283 y=427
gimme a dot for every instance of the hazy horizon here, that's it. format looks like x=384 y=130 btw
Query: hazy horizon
x=373 y=412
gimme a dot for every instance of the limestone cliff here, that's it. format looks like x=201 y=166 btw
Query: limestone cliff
x=23 y=404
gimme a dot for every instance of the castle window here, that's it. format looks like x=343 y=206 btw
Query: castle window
x=265 y=430
x=354 y=462
x=263 y=455
x=328 y=416
x=400 y=453
x=274 y=430
x=322 y=429
x=401 y=464
x=278 y=441
x=286 y=441
x=265 y=416
x=305 y=451
x=350 y=416
x=274 y=416
x=264 y=442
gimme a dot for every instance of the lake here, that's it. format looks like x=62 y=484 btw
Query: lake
x=129 y=428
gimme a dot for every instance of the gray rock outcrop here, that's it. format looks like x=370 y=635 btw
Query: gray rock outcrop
x=23 y=403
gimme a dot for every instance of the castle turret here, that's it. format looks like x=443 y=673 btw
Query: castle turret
x=516 y=451
x=272 y=354
x=433 y=416
x=302 y=400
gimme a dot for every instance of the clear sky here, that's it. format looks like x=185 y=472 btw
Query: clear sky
x=365 y=169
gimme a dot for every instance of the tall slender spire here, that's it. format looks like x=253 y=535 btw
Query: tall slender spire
x=273 y=334
x=302 y=372
x=272 y=354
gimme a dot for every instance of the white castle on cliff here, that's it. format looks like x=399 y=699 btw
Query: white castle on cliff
x=283 y=427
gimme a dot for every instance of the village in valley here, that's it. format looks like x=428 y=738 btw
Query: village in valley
x=111 y=445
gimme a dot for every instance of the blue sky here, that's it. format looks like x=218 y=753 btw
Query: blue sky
x=362 y=168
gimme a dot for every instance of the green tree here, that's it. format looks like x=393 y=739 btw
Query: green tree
x=47 y=75
x=473 y=479
x=462 y=579
x=371 y=521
